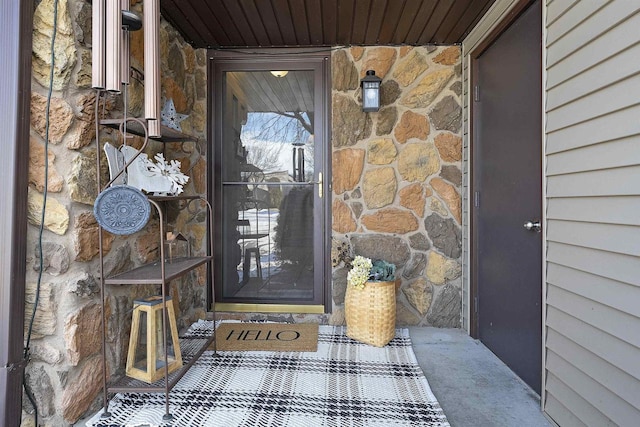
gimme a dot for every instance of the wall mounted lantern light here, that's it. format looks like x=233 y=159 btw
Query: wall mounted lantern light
x=370 y=92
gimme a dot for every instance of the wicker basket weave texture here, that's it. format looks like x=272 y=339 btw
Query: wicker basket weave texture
x=370 y=313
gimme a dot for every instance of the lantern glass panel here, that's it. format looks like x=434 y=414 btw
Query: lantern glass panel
x=140 y=361
x=370 y=98
x=171 y=353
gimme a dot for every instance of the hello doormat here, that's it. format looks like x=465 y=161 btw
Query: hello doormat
x=267 y=337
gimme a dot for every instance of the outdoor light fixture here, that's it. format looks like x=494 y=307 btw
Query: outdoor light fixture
x=279 y=73
x=370 y=92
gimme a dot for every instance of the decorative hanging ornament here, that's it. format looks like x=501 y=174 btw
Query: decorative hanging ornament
x=122 y=210
x=170 y=117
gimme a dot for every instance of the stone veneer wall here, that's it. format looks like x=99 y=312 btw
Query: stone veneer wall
x=397 y=176
x=65 y=369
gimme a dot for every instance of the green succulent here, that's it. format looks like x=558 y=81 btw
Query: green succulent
x=382 y=271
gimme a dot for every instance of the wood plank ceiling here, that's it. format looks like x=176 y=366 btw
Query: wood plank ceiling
x=305 y=23
x=264 y=92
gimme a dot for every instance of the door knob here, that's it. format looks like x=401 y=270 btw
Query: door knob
x=535 y=226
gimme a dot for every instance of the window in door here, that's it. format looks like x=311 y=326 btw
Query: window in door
x=270 y=153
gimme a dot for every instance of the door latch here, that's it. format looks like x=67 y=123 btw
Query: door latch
x=320 y=184
x=533 y=226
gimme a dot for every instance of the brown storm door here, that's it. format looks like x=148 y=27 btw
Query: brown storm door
x=269 y=187
x=507 y=196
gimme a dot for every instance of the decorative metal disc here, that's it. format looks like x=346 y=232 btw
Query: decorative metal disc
x=122 y=209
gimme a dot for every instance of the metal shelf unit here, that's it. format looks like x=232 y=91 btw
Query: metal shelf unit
x=159 y=273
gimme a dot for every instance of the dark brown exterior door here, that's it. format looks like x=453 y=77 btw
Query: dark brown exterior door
x=507 y=193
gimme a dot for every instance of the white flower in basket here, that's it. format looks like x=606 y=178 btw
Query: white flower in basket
x=363 y=270
x=359 y=273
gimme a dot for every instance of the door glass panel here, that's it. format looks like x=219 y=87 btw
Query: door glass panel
x=267 y=169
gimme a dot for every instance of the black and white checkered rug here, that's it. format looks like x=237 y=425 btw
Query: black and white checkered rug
x=344 y=383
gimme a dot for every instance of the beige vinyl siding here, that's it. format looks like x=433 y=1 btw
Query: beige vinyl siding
x=593 y=212
x=620 y=210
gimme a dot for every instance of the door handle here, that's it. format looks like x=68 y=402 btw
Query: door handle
x=533 y=226
x=319 y=182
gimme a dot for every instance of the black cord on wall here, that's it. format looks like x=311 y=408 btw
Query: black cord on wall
x=26 y=356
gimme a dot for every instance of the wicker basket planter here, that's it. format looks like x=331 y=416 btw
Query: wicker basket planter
x=370 y=313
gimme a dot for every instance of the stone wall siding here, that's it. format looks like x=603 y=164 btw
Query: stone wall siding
x=396 y=196
x=65 y=369
x=397 y=176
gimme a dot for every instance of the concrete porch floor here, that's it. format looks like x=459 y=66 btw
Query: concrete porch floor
x=473 y=386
